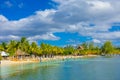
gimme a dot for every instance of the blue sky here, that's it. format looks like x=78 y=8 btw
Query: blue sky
x=60 y=22
x=17 y=9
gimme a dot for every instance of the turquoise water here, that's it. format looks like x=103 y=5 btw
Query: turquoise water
x=100 y=68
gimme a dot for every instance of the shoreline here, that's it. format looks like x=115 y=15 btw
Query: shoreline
x=9 y=62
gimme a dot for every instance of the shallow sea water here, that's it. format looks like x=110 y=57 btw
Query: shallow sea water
x=99 y=68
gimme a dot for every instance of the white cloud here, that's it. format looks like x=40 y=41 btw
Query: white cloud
x=99 y=5
x=96 y=41
x=108 y=36
x=79 y=14
x=48 y=36
x=3 y=18
x=35 y=27
x=9 y=37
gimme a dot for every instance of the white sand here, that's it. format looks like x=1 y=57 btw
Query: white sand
x=8 y=62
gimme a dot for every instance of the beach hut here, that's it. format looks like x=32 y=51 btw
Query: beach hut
x=80 y=48
x=21 y=54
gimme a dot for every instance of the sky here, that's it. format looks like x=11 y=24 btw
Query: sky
x=60 y=22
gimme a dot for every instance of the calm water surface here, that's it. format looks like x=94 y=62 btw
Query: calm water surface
x=99 y=68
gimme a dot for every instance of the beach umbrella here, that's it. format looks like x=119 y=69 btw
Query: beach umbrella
x=4 y=53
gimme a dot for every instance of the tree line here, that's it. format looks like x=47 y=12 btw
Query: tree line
x=48 y=50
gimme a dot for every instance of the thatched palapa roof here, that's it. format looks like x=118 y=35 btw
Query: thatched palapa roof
x=80 y=47
x=21 y=53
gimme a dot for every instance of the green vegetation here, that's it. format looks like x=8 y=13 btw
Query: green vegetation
x=47 y=50
x=107 y=47
x=0 y=57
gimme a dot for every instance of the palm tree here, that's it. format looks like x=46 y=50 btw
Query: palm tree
x=68 y=50
x=3 y=46
x=107 y=47
x=39 y=53
x=12 y=47
x=44 y=50
x=23 y=43
x=84 y=45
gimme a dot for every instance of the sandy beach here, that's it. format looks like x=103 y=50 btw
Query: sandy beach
x=10 y=62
